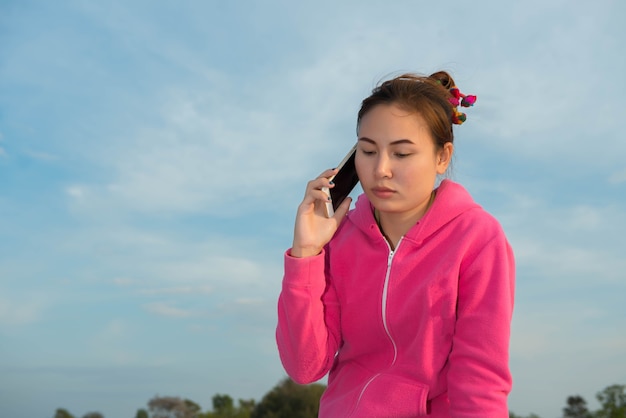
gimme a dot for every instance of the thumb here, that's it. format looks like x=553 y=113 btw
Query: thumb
x=343 y=209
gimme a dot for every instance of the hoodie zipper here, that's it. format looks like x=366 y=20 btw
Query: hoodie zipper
x=384 y=319
x=384 y=300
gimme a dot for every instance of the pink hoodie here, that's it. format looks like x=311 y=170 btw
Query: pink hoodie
x=419 y=331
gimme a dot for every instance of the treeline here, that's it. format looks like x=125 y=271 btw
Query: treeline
x=290 y=400
x=286 y=400
x=612 y=405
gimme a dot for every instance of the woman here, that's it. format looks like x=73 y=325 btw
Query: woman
x=407 y=299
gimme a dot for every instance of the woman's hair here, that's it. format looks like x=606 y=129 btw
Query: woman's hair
x=427 y=96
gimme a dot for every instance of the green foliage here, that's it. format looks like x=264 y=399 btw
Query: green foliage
x=290 y=400
x=193 y=409
x=172 y=407
x=246 y=406
x=62 y=413
x=224 y=407
x=576 y=408
x=613 y=401
x=93 y=415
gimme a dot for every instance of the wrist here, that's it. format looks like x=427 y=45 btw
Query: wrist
x=301 y=252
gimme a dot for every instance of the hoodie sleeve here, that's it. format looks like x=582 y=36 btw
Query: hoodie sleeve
x=308 y=333
x=479 y=379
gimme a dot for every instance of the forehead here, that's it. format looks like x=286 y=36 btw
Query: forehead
x=389 y=123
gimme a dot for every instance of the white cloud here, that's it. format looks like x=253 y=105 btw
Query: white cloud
x=165 y=309
x=42 y=156
x=618 y=177
x=250 y=301
x=20 y=310
x=114 y=330
x=112 y=344
x=221 y=146
x=76 y=191
x=180 y=290
x=564 y=262
x=124 y=281
x=570 y=245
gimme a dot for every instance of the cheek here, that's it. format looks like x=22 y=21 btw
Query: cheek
x=359 y=165
x=417 y=174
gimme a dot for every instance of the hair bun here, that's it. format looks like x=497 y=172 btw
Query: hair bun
x=443 y=78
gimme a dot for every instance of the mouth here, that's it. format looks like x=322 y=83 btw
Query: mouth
x=383 y=192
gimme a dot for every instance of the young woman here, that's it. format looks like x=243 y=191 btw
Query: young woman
x=406 y=299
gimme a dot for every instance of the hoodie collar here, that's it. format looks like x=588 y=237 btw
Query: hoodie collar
x=451 y=200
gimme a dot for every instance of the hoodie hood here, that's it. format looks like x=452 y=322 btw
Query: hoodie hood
x=451 y=200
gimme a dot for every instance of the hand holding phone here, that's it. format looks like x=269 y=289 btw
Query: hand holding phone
x=345 y=180
x=312 y=231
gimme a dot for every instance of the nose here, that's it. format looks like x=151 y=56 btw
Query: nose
x=383 y=166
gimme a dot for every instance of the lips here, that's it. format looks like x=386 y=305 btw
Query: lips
x=383 y=192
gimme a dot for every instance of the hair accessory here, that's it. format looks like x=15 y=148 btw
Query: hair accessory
x=463 y=100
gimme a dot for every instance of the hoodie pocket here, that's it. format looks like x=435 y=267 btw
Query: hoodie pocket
x=392 y=396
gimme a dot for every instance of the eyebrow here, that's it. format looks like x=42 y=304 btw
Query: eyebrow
x=397 y=142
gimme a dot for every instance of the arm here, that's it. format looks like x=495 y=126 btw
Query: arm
x=308 y=313
x=308 y=331
x=479 y=379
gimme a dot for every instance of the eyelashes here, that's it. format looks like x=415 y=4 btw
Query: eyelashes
x=395 y=154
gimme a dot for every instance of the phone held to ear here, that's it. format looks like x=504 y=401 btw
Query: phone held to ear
x=345 y=180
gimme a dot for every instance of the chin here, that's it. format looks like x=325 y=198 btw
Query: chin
x=385 y=205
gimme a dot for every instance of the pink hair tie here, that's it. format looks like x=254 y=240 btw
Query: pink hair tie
x=468 y=101
x=457 y=98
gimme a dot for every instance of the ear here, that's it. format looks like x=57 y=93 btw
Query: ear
x=444 y=156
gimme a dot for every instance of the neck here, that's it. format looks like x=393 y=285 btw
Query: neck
x=395 y=225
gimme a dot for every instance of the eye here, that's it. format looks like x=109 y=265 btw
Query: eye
x=368 y=152
x=402 y=154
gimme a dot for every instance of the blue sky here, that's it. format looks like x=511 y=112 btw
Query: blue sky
x=152 y=155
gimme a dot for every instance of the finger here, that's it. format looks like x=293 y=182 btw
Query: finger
x=319 y=184
x=328 y=173
x=343 y=209
x=316 y=195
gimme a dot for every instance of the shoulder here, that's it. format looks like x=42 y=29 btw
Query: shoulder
x=456 y=199
x=469 y=225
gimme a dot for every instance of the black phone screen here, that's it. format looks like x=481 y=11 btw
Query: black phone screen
x=345 y=180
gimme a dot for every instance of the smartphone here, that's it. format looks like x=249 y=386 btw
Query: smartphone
x=345 y=180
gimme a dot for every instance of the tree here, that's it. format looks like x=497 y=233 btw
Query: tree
x=141 y=413
x=223 y=405
x=62 y=413
x=246 y=407
x=613 y=401
x=290 y=400
x=172 y=407
x=192 y=408
x=576 y=408
x=93 y=415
